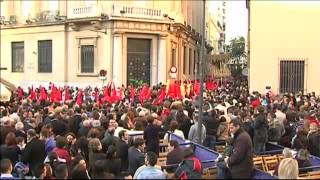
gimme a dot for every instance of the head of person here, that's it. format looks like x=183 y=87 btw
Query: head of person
x=71 y=138
x=150 y=119
x=139 y=144
x=11 y=139
x=6 y=166
x=288 y=169
x=61 y=142
x=287 y=153
x=173 y=125
x=31 y=134
x=79 y=172
x=79 y=160
x=19 y=126
x=235 y=125
x=123 y=135
x=61 y=171
x=45 y=133
x=172 y=145
x=95 y=145
x=151 y=158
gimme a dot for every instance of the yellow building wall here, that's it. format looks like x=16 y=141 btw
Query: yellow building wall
x=283 y=30
x=30 y=36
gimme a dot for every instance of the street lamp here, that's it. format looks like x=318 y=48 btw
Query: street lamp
x=201 y=70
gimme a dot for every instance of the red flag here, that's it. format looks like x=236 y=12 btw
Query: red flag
x=114 y=96
x=177 y=91
x=67 y=94
x=20 y=92
x=171 y=91
x=32 y=94
x=106 y=95
x=58 y=96
x=161 y=96
x=132 y=93
x=197 y=88
x=43 y=94
x=80 y=97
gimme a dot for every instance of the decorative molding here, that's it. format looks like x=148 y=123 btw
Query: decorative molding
x=96 y=24
x=74 y=26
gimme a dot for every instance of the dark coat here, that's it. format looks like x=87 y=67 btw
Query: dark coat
x=83 y=131
x=240 y=161
x=313 y=143
x=93 y=157
x=4 y=131
x=151 y=136
x=136 y=159
x=113 y=166
x=21 y=134
x=174 y=157
x=58 y=127
x=34 y=153
x=74 y=123
x=10 y=152
x=261 y=129
x=122 y=153
x=211 y=124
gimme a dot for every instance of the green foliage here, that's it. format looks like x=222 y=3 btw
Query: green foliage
x=135 y=82
x=236 y=49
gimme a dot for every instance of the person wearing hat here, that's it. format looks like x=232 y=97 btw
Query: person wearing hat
x=261 y=127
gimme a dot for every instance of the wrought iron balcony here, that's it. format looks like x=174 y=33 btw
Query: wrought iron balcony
x=137 y=12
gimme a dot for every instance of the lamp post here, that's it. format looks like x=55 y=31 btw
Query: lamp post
x=202 y=51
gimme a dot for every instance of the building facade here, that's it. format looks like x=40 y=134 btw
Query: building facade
x=69 y=42
x=284 y=46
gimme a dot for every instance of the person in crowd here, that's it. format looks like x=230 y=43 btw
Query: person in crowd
x=313 y=140
x=240 y=162
x=84 y=129
x=122 y=149
x=34 y=152
x=190 y=167
x=95 y=152
x=174 y=157
x=61 y=171
x=300 y=140
x=211 y=123
x=288 y=169
x=79 y=172
x=20 y=131
x=286 y=154
x=193 y=133
x=136 y=155
x=223 y=129
x=10 y=150
x=149 y=171
x=260 y=137
x=276 y=129
x=222 y=169
x=6 y=169
x=113 y=163
x=303 y=160
x=174 y=128
x=61 y=151
x=50 y=143
x=75 y=121
x=184 y=122
x=151 y=135
x=99 y=171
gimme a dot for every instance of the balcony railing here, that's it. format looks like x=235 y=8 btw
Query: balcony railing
x=137 y=12
x=84 y=11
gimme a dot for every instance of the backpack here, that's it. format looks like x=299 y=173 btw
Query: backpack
x=190 y=169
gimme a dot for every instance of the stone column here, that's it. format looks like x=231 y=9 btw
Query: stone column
x=162 y=59
x=117 y=61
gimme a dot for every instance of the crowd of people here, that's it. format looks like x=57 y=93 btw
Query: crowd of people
x=65 y=132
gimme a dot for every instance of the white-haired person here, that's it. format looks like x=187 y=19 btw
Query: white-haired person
x=287 y=153
x=288 y=169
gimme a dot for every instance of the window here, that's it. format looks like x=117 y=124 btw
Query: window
x=291 y=76
x=87 y=58
x=17 y=49
x=173 y=57
x=45 y=56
